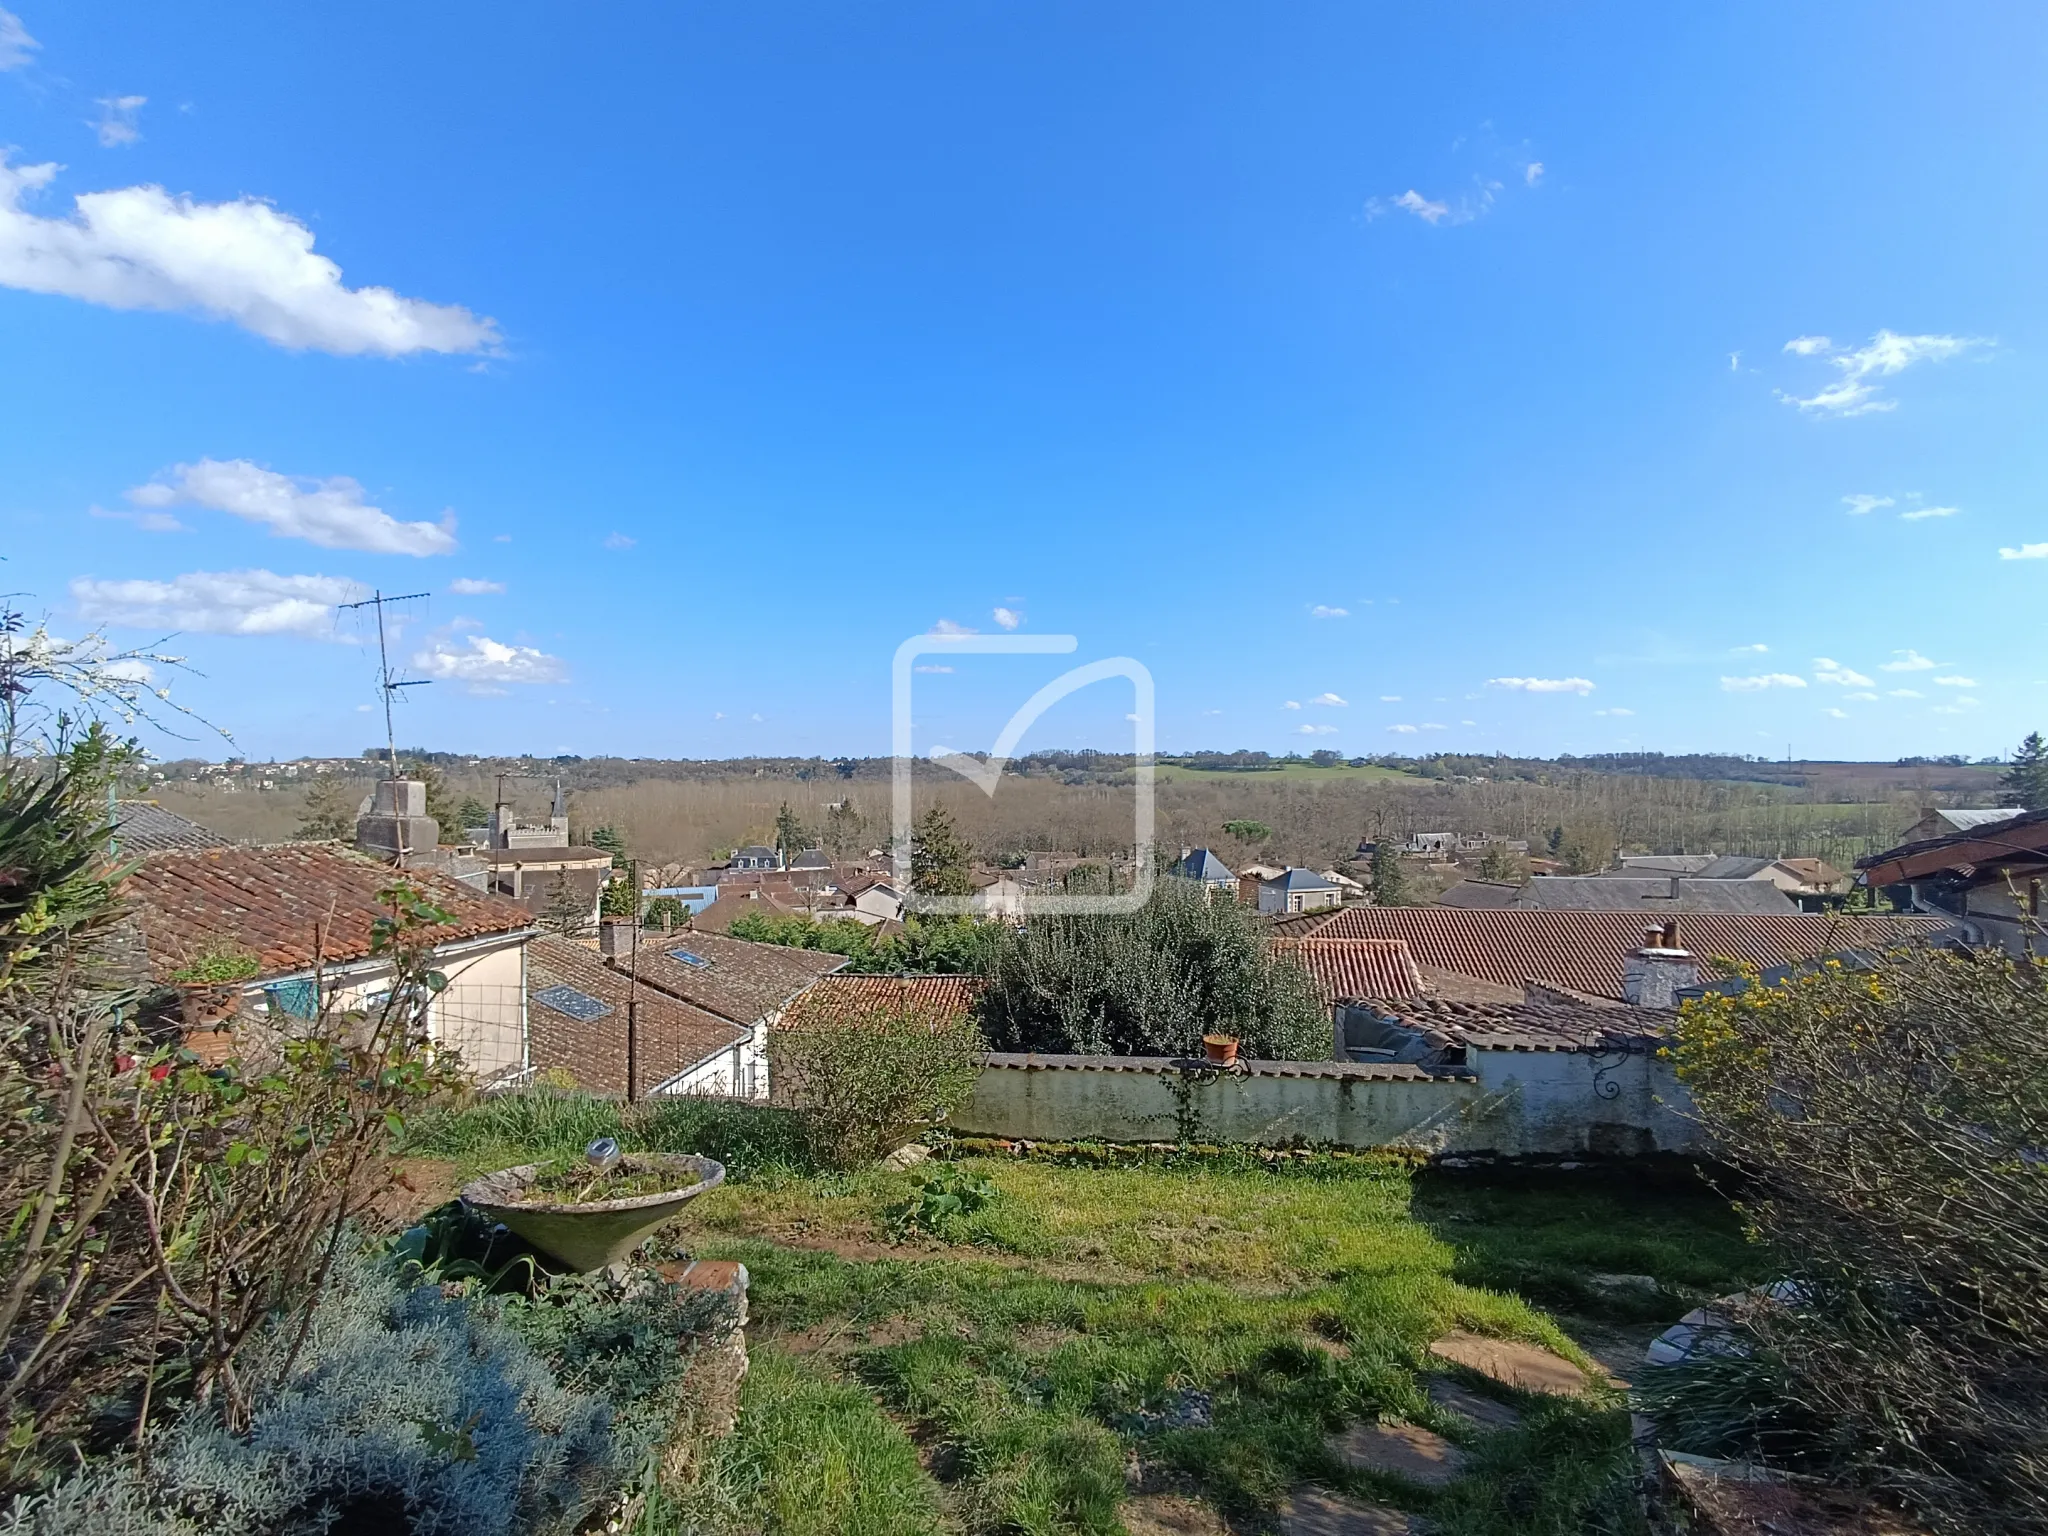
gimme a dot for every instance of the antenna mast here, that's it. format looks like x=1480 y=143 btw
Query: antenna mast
x=387 y=687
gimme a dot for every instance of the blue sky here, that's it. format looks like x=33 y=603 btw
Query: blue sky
x=1513 y=374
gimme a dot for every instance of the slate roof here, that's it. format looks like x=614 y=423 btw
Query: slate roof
x=1201 y=864
x=273 y=901
x=1480 y=893
x=1344 y=969
x=143 y=826
x=1653 y=894
x=671 y=1036
x=844 y=996
x=1532 y=1026
x=1301 y=880
x=1583 y=951
x=1963 y=819
x=1661 y=864
x=1734 y=866
x=811 y=858
x=744 y=982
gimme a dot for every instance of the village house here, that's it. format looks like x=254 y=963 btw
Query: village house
x=1989 y=876
x=1201 y=865
x=298 y=920
x=592 y=1024
x=1297 y=890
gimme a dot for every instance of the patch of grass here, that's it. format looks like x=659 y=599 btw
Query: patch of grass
x=503 y=1130
x=811 y=1456
x=1567 y=1471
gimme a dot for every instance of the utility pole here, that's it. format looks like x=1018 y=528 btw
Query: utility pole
x=377 y=600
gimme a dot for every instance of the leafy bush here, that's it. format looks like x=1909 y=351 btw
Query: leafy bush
x=1151 y=983
x=866 y=1084
x=947 y=1195
x=1895 y=1121
x=220 y=962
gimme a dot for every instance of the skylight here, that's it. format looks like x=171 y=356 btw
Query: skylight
x=577 y=1005
x=690 y=959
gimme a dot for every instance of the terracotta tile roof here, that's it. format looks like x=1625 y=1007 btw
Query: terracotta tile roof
x=1583 y=951
x=143 y=826
x=1532 y=1026
x=843 y=996
x=1351 y=1071
x=272 y=902
x=741 y=981
x=671 y=1036
x=1348 y=968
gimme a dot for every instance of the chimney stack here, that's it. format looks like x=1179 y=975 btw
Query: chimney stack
x=615 y=936
x=398 y=825
x=1653 y=975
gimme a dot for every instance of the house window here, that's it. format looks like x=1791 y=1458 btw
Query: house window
x=299 y=999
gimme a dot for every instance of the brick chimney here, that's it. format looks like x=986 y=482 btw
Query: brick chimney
x=615 y=936
x=1653 y=975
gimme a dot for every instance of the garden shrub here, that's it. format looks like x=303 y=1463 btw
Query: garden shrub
x=867 y=1083
x=1895 y=1122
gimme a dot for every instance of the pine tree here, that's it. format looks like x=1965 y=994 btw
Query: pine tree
x=330 y=811
x=566 y=912
x=608 y=839
x=2026 y=781
x=792 y=837
x=939 y=858
x=1389 y=881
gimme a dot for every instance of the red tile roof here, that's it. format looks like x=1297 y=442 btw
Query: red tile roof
x=670 y=1036
x=1538 y=1026
x=1348 y=968
x=280 y=903
x=840 y=997
x=1583 y=951
x=739 y=980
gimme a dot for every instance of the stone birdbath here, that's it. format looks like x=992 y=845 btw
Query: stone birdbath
x=581 y=1227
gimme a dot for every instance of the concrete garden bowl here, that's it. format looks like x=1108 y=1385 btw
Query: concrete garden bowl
x=597 y=1233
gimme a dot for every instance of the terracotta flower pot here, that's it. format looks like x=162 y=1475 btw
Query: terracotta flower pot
x=1221 y=1049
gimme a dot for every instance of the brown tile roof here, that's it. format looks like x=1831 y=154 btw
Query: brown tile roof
x=671 y=1036
x=843 y=996
x=274 y=901
x=1348 y=968
x=1532 y=1026
x=143 y=826
x=742 y=981
x=1583 y=951
x=1342 y=1071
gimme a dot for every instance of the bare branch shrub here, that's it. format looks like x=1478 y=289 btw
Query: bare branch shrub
x=1896 y=1120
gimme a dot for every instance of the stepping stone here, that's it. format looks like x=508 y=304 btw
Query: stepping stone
x=1312 y=1512
x=1406 y=1450
x=1486 y=1412
x=1522 y=1366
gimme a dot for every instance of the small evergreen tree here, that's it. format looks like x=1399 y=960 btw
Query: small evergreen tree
x=330 y=811
x=473 y=813
x=608 y=839
x=566 y=912
x=792 y=837
x=2026 y=781
x=1389 y=880
x=939 y=857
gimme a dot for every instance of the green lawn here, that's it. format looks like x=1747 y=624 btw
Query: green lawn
x=1195 y=1325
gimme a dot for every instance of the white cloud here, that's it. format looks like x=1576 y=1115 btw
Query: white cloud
x=1578 y=685
x=475 y=586
x=1859 y=505
x=141 y=248
x=221 y=603
x=1748 y=650
x=1390 y=698
x=1907 y=693
x=1762 y=681
x=931 y=669
x=1468 y=722
x=1839 y=714
x=1826 y=671
x=1616 y=711
x=1320 y=611
x=1404 y=730
x=1422 y=207
x=15 y=43
x=1331 y=700
x=1532 y=173
x=1957 y=682
x=948 y=628
x=2025 y=552
x=1315 y=730
x=619 y=541
x=1886 y=353
x=330 y=513
x=1007 y=618
x=148 y=522
x=481 y=661
x=1863 y=694
x=1919 y=514
x=1431 y=725
x=1909 y=661
x=117 y=121
x=1292 y=704
x=1945 y=709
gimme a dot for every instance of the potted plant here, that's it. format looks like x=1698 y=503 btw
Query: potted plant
x=1220 y=1049
x=591 y=1212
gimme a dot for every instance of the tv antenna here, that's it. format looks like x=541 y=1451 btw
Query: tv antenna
x=387 y=685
